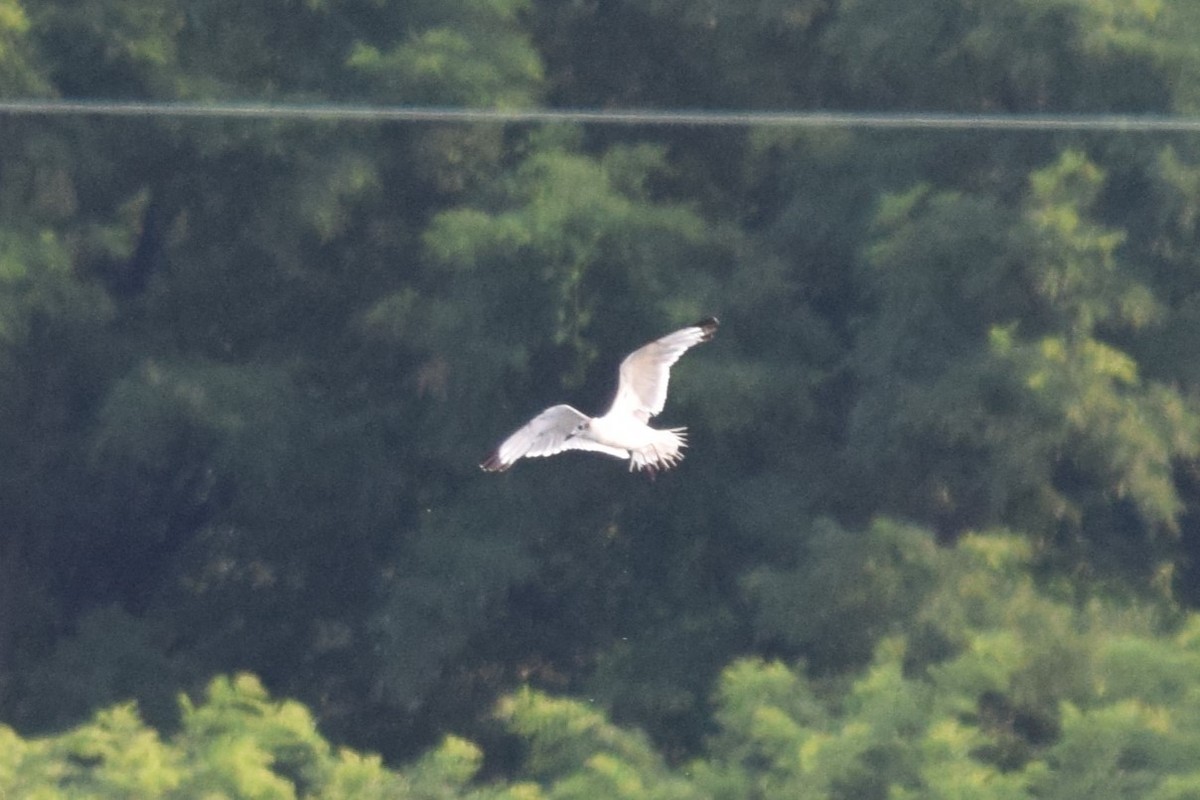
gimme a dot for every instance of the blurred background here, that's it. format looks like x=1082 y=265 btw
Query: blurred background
x=937 y=531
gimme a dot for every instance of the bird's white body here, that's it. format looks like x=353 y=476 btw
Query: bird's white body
x=633 y=439
x=623 y=432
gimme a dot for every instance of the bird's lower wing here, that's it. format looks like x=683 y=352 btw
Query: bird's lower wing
x=645 y=373
x=544 y=435
x=581 y=443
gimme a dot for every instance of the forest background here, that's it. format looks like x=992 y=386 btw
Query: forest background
x=937 y=534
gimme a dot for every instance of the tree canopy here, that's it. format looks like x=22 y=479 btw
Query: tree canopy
x=938 y=529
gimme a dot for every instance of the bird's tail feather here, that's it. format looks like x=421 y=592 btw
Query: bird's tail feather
x=664 y=452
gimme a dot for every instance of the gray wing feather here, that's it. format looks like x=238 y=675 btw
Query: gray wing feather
x=645 y=373
x=544 y=435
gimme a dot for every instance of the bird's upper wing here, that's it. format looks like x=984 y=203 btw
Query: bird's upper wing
x=544 y=435
x=642 y=390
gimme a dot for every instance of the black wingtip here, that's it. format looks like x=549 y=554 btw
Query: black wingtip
x=493 y=463
x=708 y=326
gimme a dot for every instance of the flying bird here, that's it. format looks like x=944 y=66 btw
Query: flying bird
x=623 y=432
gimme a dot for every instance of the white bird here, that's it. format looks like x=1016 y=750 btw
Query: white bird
x=623 y=431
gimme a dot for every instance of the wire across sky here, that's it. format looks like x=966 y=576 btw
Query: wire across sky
x=911 y=120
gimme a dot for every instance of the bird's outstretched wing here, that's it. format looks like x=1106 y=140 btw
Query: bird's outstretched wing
x=544 y=435
x=642 y=391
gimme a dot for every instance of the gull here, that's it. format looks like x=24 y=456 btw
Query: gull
x=623 y=431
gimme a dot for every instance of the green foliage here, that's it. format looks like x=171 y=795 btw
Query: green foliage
x=997 y=689
x=575 y=753
x=438 y=594
x=864 y=584
x=18 y=74
x=477 y=55
x=236 y=743
x=1027 y=56
x=1020 y=372
x=1028 y=695
x=591 y=226
x=110 y=657
x=36 y=282
x=248 y=367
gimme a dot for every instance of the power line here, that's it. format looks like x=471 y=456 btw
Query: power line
x=609 y=116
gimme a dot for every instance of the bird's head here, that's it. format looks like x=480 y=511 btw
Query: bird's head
x=580 y=428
